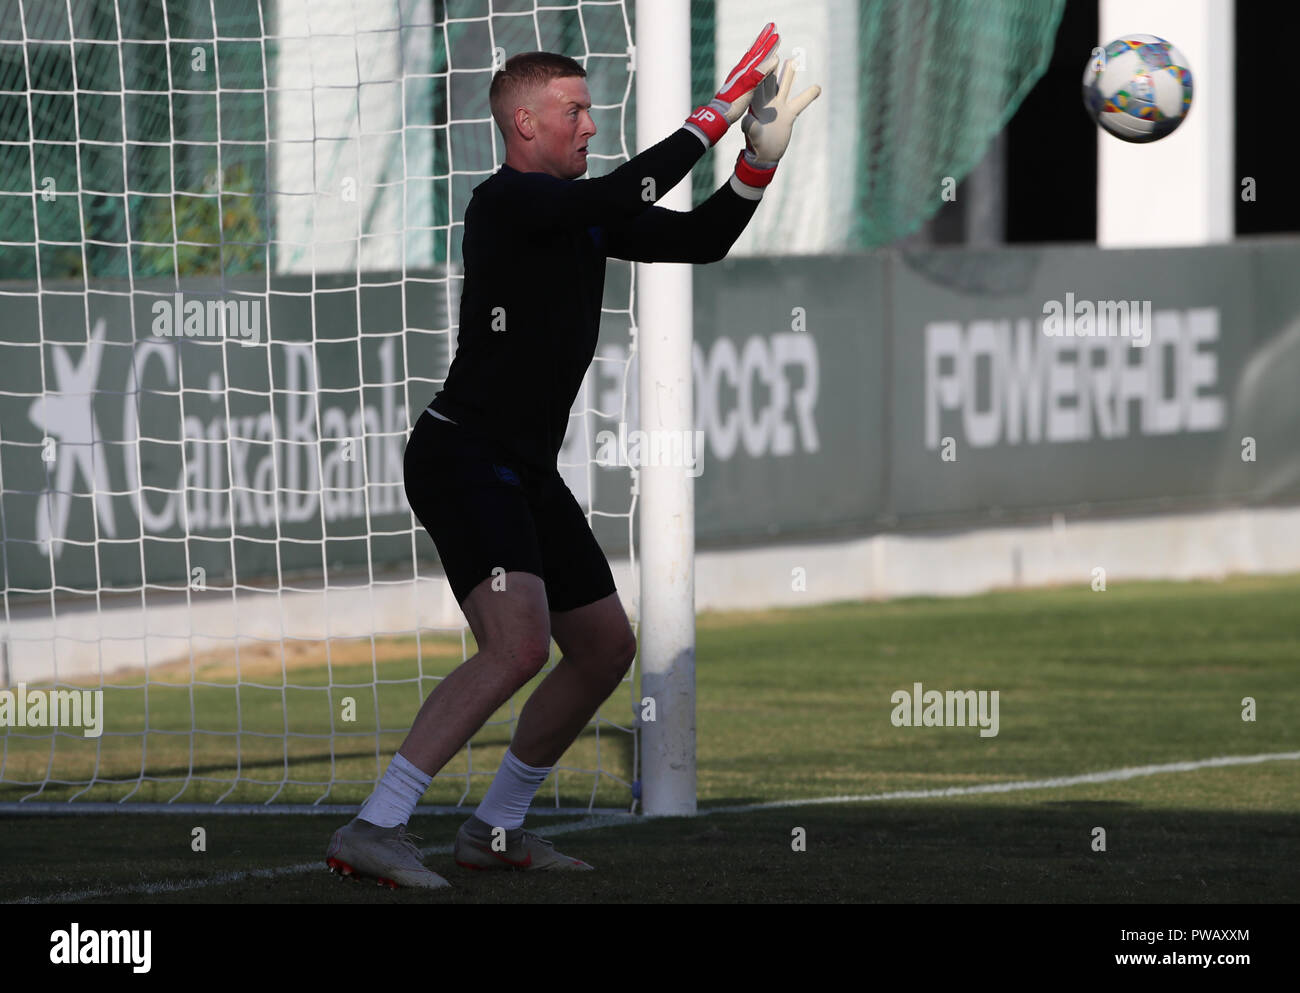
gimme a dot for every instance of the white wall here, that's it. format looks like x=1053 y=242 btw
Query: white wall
x=1179 y=190
x=1207 y=545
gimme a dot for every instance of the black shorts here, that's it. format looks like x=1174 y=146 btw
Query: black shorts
x=486 y=510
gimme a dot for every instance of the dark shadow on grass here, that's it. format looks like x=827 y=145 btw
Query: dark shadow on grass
x=933 y=853
x=918 y=852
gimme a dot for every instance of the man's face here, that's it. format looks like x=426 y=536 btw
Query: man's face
x=564 y=126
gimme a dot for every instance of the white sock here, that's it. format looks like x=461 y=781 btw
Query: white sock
x=395 y=797
x=512 y=790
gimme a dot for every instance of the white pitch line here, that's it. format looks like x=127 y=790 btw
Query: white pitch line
x=610 y=820
x=1109 y=776
x=147 y=889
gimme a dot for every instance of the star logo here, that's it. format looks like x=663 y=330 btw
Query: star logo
x=66 y=413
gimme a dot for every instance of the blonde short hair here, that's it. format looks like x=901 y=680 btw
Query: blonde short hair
x=522 y=74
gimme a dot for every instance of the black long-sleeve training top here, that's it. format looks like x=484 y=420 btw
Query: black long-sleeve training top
x=534 y=250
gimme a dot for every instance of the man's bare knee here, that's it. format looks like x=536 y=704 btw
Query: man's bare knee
x=597 y=638
x=621 y=659
x=609 y=658
x=511 y=623
x=526 y=655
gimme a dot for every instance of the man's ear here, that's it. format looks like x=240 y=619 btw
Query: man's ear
x=524 y=124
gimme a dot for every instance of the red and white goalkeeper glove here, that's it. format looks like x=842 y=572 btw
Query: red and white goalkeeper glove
x=711 y=121
x=767 y=129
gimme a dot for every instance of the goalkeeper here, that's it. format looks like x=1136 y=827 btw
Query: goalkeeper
x=480 y=465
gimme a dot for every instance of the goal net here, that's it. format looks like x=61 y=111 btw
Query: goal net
x=231 y=260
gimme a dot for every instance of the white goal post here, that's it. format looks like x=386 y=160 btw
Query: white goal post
x=666 y=632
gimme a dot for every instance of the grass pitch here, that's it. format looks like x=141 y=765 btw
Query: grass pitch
x=793 y=705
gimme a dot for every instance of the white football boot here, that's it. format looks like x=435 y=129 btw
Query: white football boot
x=360 y=849
x=478 y=846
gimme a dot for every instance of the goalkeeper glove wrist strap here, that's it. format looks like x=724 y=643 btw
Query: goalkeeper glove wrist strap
x=708 y=123
x=752 y=174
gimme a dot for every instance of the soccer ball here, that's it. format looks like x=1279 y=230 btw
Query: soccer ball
x=1138 y=87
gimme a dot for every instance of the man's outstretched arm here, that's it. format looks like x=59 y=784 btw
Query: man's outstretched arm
x=545 y=201
x=702 y=235
x=707 y=233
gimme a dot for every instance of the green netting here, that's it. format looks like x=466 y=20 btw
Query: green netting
x=938 y=80
x=149 y=130
x=144 y=136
